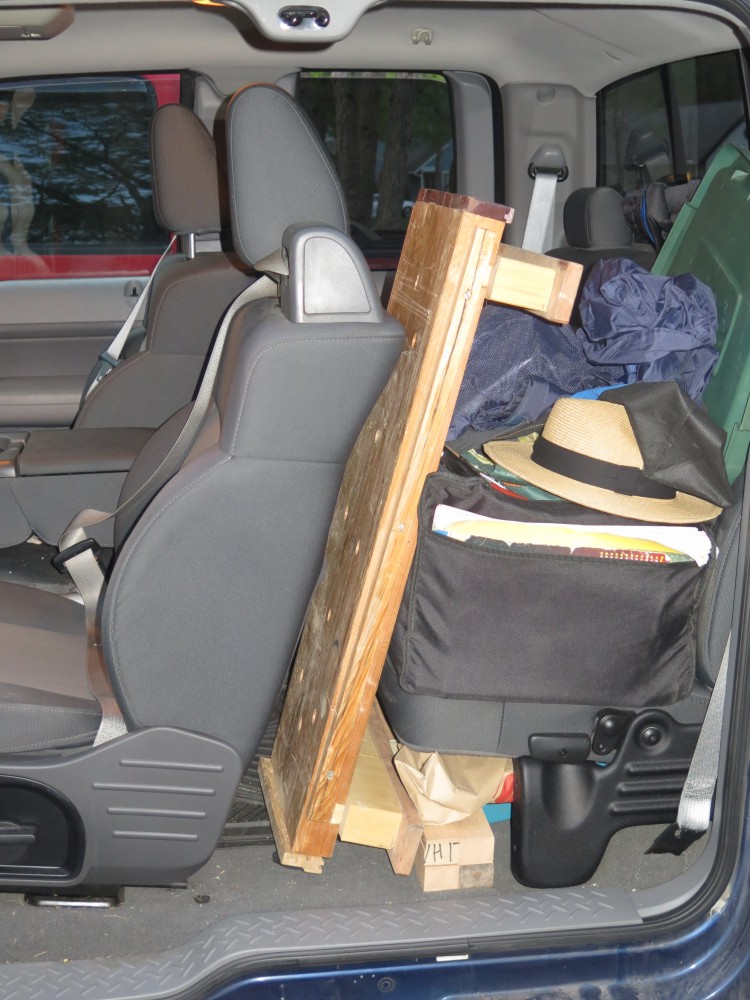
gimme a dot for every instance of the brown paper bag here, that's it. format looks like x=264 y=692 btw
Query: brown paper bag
x=447 y=788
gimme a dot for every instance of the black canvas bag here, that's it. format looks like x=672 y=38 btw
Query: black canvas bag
x=481 y=623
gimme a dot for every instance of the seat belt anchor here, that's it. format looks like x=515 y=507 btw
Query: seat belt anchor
x=549 y=159
x=59 y=560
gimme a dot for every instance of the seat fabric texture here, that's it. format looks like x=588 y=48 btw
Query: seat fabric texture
x=189 y=295
x=208 y=589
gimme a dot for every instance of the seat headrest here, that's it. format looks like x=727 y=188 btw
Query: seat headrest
x=280 y=173
x=593 y=217
x=188 y=186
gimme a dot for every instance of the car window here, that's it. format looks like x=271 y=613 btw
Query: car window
x=75 y=175
x=389 y=134
x=667 y=124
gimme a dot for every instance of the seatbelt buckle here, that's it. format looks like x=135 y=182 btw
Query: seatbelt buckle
x=59 y=560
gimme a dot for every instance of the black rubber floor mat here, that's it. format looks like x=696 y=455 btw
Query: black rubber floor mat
x=247 y=822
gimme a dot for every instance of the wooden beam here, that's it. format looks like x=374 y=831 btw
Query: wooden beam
x=373 y=811
x=379 y=812
x=542 y=285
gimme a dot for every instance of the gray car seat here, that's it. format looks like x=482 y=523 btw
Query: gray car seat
x=205 y=599
x=190 y=291
x=595 y=229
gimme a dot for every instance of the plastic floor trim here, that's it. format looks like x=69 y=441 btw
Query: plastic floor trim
x=313 y=933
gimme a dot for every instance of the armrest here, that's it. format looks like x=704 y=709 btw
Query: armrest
x=36 y=401
x=61 y=452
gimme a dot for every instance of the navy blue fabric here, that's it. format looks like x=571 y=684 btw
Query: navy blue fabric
x=518 y=366
x=663 y=329
x=636 y=327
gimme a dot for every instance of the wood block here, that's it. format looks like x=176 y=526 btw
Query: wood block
x=542 y=285
x=439 y=878
x=468 y=842
x=379 y=812
x=373 y=812
x=457 y=855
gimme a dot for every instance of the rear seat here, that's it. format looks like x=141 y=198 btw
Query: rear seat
x=595 y=228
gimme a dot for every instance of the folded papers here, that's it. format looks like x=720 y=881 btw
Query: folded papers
x=657 y=543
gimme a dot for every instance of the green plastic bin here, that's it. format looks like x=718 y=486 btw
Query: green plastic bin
x=711 y=239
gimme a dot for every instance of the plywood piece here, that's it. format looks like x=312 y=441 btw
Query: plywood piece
x=542 y=285
x=441 y=878
x=439 y=290
x=373 y=812
x=468 y=842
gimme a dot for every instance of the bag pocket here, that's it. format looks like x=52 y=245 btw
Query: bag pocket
x=494 y=624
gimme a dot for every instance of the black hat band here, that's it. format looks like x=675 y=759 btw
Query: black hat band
x=623 y=479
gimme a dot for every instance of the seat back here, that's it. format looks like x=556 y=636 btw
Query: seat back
x=190 y=292
x=595 y=228
x=209 y=588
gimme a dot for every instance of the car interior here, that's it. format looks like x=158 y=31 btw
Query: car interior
x=137 y=689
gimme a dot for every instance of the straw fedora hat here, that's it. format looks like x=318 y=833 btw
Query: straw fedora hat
x=588 y=452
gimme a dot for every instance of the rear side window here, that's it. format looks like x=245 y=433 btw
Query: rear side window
x=75 y=175
x=389 y=134
x=667 y=124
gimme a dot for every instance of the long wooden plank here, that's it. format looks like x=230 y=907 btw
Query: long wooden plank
x=439 y=290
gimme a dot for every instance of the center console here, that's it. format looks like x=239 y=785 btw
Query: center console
x=48 y=476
